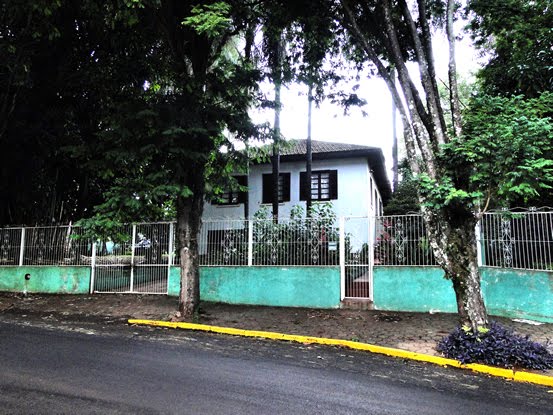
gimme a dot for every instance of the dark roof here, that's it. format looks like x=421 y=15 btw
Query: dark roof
x=293 y=147
x=295 y=150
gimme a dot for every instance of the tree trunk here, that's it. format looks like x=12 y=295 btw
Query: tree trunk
x=452 y=72
x=277 y=79
x=189 y=214
x=309 y=152
x=451 y=229
x=395 y=164
x=453 y=242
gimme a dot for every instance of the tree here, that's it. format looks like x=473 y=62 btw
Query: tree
x=454 y=166
x=157 y=139
x=450 y=221
x=405 y=198
x=57 y=77
x=517 y=36
x=505 y=150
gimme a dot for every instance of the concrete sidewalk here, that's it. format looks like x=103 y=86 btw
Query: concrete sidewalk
x=417 y=332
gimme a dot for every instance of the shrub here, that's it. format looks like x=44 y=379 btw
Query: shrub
x=497 y=346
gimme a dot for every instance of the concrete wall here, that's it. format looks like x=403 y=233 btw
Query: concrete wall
x=50 y=280
x=317 y=287
x=519 y=293
x=507 y=292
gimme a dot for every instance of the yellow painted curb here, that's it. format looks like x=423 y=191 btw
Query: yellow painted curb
x=388 y=351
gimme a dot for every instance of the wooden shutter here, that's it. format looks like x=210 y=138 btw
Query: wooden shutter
x=333 y=178
x=285 y=187
x=242 y=195
x=303 y=185
x=267 y=188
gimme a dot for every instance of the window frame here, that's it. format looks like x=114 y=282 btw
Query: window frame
x=267 y=187
x=332 y=183
x=241 y=195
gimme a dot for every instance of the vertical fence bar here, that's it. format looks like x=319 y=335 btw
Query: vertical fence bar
x=22 y=247
x=370 y=255
x=342 y=243
x=250 y=242
x=93 y=266
x=132 y=257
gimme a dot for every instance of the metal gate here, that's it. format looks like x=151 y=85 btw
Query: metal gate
x=133 y=259
x=357 y=234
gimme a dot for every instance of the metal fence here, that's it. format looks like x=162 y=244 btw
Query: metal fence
x=134 y=258
x=505 y=240
x=45 y=245
x=402 y=240
x=266 y=243
x=137 y=258
x=358 y=236
x=517 y=240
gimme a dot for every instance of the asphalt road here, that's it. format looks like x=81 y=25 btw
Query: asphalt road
x=134 y=370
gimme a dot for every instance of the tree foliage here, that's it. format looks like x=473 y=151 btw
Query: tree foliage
x=517 y=36
x=505 y=151
x=58 y=75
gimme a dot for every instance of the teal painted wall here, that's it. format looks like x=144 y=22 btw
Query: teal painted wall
x=173 y=283
x=50 y=280
x=518 y=293
x=317 y=287
x=413 y=289
x=507 y=292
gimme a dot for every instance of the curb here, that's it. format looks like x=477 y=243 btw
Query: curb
x=518 y=376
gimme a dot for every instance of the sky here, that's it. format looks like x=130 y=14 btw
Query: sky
x=375 y=129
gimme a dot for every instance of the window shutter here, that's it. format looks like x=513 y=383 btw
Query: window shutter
x=285 y=187
x=242 y=195
x=267 y=188
x=303 y=185
x=333 y=184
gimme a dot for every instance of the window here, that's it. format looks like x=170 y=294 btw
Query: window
x=233 y=196
x=283 y=188
x=323 y=186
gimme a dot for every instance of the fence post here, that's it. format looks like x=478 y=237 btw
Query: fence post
x=132 y=257
x=478 y=233
x=342 y=242
x=170 y=253
x=22 y=247
x=370 y=254
x=93 y=266
x=250 y=242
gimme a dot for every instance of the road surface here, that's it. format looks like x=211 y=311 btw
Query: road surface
x=136 y=370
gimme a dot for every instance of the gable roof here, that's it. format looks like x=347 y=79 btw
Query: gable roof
x=317 y=147
x=295 y=150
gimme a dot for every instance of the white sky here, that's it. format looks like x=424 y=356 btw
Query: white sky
x=329 y=122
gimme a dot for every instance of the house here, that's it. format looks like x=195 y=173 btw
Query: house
x=352 y=177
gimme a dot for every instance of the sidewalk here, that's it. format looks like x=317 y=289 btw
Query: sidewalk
x=416 y=332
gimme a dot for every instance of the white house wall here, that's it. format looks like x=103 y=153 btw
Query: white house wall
x=354 y=194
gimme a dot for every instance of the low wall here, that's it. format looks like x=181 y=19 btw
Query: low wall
x=46 y=279
x=317 y=287
x=519 y=293
x=507 y=292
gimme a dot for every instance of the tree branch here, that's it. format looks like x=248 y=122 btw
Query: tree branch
x=409 y=138
x=423 y=136
x=427 y=44
x=452 y=72
x=436 y=133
